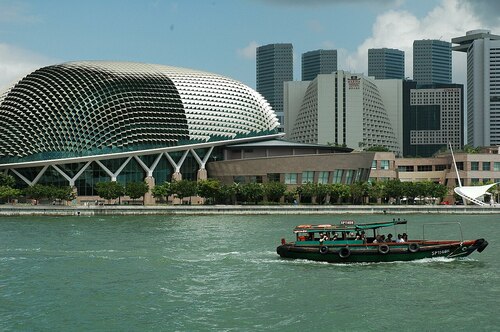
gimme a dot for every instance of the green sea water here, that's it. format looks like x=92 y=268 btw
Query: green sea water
x=222 y=273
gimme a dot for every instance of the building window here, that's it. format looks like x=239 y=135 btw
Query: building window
x=486 y=181
x=273 y=177
x=460 y=165
x=474 y=181
x=290 y=178
x=440 y=167
x=496 y=166
x=384 y=164
x=337 y=176
x=474 y=165
x=349 y=177
x=323 y=177
x=307 y=177
x=486 y=165
x=239 y=179
x=256 y=179
x=424 y=168
x=374 y=164
x=405 y=168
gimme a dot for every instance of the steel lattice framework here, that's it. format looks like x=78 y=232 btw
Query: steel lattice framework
x=90 y=108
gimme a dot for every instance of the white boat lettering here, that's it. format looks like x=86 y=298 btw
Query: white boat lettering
x=440 y=252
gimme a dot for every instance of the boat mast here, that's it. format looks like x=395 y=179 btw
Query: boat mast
x=455 y=163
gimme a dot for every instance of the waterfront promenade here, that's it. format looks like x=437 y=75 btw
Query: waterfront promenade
x=55 y=210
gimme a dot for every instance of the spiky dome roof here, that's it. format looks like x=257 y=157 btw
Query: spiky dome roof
x=95 y=107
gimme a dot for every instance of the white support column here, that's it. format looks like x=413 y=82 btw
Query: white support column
x=80 y=172
x=177 y=166
x=63 y=174
x=40 y=174
x=22 y=177
x=202 y=172
x=106 y=170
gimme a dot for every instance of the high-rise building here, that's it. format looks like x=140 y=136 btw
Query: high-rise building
x=432 y=118
x=343 y=109
x=431 y=61
x=386 y=63
x=483 y=86
x=318 y=62
x=274 y=67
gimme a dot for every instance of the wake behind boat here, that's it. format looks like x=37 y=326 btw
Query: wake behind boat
x=349 y=242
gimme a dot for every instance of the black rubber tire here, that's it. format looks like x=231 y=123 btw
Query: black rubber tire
x=413 y=247
x=383 y=249
x=344 y=252
x=323 y=250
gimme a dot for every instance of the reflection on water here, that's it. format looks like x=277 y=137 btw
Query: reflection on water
x=222 y=273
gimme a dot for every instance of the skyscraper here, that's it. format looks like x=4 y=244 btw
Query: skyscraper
x=318 y=62
x=432 y=118
x=431 y=61
x=483 y=86
x=274 y=67
x=386 y=63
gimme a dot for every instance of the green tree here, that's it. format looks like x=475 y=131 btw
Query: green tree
x=377 y=148
x=7 y=193
x=322 y=190
x=393 y=189
x=209 y=189
x=339 y=192
x=65 y=193
x=110 y=190
x=136 y=190
x=359 y=191
x=36 y=192
x=274 y=191
x=7 y=180
x=162 y=191
x=439 y=190
x=252 y=192
x=306 y=191
x=227 y=193
x=184 y=188
x=376 y=190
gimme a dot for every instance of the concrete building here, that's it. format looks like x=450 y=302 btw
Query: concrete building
x=274 y=67
x=474 y=169
x=386 y=63
x=483 y=86
x=318 y=62
x=432 y=61
x=80 y=123
x=344 y=109
x=432 y=118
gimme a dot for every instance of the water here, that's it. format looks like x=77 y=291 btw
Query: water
x=221 y=273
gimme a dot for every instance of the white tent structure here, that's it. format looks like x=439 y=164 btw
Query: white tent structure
x=472 y=193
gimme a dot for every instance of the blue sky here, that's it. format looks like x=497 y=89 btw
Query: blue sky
x=220 y=36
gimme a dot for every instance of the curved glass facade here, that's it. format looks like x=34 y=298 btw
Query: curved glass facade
x=92 y=108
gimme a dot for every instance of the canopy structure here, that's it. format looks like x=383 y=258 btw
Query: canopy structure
x=474 y=193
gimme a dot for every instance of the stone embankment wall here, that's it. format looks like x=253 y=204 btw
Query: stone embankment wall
x=50 y=210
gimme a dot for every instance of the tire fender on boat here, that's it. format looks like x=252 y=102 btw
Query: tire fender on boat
x=413 y=247
x=344 y=252
x=383 y=249
x=323 y=250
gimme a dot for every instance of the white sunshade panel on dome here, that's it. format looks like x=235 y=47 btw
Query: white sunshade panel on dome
x=95 y=107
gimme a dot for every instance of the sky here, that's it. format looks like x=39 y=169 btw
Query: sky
x=220 y=36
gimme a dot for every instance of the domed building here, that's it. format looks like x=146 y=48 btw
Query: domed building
x=83 y=122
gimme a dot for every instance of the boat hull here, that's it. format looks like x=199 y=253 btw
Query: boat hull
x=381 y=253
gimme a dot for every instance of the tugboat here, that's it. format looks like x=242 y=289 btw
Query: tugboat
x=349 y=242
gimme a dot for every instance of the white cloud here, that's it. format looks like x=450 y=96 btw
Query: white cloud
x=16 y=62
x=248 y=52
x=399 y=28
x=16 y=12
